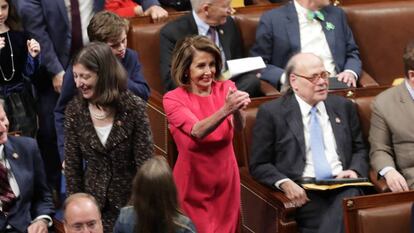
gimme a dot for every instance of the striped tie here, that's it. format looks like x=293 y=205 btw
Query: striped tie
x=212 y=33
x=7 y=196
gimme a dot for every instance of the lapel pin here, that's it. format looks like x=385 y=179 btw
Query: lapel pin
x=221 y=31
x=337 y=120
x=15 y=156
x=119 y=123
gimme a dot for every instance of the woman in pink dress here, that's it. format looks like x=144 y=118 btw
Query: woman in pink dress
x=202 y=113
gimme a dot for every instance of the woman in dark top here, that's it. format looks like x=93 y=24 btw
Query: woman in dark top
x=107 y=133
x=19 y=59
x=154 y=200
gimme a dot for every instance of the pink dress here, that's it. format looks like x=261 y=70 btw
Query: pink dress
x=206 y=172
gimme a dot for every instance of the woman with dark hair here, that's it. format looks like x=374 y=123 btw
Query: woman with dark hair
x=154 y=199
x=107 y=134
x=202 y=113
x=19 y=59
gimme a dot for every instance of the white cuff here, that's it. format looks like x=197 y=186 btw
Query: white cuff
x=45 y=217
x=352 y=72
x=279 y=182
x=384 y=171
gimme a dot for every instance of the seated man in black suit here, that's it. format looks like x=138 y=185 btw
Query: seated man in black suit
x=209 y=18
x=25 y=199
x=308 y=133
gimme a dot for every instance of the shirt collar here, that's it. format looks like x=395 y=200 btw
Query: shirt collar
x=305 y=107
x=409 y=88
x=300 y=10
x=1 y=152
x=201 y=25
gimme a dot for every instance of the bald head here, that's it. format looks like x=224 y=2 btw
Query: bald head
x=81 y=214
x=301 y=62
x=308 y=77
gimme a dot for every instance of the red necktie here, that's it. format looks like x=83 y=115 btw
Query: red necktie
x=7 y=196
x=76 y=27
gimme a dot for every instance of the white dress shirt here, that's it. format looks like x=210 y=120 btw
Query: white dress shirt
x=313 y=40
x=103 y=132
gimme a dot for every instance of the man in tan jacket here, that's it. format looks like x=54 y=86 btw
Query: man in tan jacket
x=392 y=130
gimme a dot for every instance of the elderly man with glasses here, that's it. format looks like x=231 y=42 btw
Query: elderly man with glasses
x=309 y=135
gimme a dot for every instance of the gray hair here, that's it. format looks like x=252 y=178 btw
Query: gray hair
x=196 y=4
x=289 y=69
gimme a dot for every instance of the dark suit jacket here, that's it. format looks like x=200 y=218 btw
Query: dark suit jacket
x=278 y=150
x=35 y=198
x=184 y=26
x=136 y=83
x=48 y=23
x=107 y=171
x=278 y=38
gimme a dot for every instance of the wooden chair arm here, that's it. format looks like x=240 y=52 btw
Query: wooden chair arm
x=267 y=89
x=366 y=80
x=265 y=209
x=384 y=212
x=379 y=182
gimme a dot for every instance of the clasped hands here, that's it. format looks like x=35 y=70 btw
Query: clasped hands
x=33 y=46
x=298 y=195
x=235 y=101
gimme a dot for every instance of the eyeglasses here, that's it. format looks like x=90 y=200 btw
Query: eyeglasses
x=315 y=77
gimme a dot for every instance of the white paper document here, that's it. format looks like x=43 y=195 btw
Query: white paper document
x=243 y=65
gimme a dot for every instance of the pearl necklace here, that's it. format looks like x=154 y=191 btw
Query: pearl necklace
x=101 y=115
x=12 y=61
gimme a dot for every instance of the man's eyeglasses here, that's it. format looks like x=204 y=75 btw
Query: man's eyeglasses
x=315 y=77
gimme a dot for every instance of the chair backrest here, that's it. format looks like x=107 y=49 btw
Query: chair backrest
x=247 y=21
x=144 y=37
x=388 y=213
x=381 y=30
x=243 y=140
